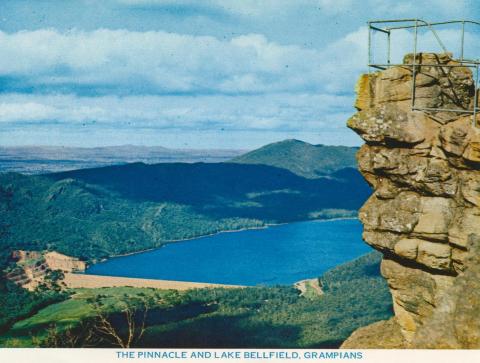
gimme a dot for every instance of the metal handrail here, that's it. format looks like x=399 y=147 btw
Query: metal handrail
x=419 y=23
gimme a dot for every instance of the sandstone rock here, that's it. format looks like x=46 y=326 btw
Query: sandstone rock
x=407 y=248
x=386 y=189
x=439 y=178
x=458 y=259
x=381 y=240
x=415 y=293
x=472 y=152
x=455 y=323
x=454 y=137
x=364 y=92
x=453 y=86
x=434 y=219
x=424 y=213
x=428 y=58
x=398 y=215
x=390 y=124
x=434 y=255
x=470 y=186
x=466 y=222
x=440 y=87
x=385 y=331
x=407 y=168
x=437 y=152
x=397 y=87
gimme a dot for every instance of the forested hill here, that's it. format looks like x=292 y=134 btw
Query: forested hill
x=100 y=212
x=301 y=158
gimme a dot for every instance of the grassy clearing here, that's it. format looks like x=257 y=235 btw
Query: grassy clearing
x=263 y=317
x=72 y=311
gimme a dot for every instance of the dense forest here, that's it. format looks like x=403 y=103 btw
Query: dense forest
x=18 y=303
x=101 y=212
x=354 y=295
x=97 y=213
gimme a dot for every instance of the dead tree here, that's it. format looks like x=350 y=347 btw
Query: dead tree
x=78 y=336
x=129 y=328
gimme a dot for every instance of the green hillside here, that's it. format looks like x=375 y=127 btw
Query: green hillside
x=301 y=158
x=259 y=317
x=96 y=213
x=102 y=212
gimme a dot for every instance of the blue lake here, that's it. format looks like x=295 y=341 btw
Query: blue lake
x=280 y=254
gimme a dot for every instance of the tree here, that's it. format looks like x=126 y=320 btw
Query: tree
x=122 y=324
x=51 y=280
x=81 y=335
x=125 y=327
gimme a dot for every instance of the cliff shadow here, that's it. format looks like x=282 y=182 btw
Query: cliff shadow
x=223 y=190
x=221 y=331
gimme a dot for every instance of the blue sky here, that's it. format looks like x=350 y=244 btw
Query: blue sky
x=195 y=74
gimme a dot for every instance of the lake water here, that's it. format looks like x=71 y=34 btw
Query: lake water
x=276 y=255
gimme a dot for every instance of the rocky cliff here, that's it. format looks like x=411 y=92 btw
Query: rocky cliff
x=32 y=268
x=424 y=214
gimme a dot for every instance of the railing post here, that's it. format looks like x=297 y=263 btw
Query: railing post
x=475 y=98
x=388 y=49
x=369 y=44
x=414 y=63
x=463 y=39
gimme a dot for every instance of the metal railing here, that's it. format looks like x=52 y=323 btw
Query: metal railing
x=388 y=26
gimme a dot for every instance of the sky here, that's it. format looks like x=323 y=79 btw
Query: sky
x=195 y=74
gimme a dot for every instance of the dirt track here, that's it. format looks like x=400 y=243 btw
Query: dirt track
x=95 y=281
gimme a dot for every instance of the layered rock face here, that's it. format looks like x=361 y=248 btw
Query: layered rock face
x=424 y=214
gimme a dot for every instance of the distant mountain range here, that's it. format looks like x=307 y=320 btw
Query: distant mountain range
x=299 y=157
x=99 y=212
x=47 y=159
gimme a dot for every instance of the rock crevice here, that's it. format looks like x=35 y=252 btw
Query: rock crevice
x=424 y=213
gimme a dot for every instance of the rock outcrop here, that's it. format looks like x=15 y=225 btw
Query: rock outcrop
x=58 y=261
x=424 y=214
x=32 y=267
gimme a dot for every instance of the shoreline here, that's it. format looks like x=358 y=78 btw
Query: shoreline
x=332 y=219
x=167 y=242
x=267 y=225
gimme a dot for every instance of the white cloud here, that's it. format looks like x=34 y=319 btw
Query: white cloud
x=121 y=80
x=157 y=62
x=154 y=62
x=257 y=112
x=181 y=82
x=174 y=121
x=25 y=111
